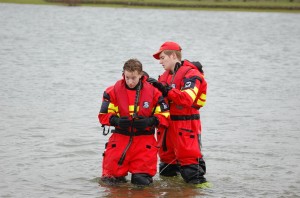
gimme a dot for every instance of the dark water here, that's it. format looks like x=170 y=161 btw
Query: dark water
x=56 y=62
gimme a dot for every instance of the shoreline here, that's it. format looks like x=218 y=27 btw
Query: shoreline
x=262 y=6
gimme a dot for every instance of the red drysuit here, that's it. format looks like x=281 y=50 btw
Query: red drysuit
x=184 y=133
x=140 y=156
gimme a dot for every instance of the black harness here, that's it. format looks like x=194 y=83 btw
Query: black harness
x=137 y=133
x=185 y=117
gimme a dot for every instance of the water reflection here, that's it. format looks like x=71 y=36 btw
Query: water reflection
x=163 y=187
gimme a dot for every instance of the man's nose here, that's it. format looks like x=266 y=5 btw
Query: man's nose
x=131 y=82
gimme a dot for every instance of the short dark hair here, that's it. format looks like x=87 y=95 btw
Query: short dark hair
x=133 y=65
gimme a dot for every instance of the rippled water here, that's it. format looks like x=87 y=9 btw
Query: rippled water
x=56 y=61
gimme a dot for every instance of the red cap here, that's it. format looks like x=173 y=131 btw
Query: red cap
x=169 y=45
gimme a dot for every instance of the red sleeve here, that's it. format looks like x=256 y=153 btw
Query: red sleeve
x=161 y=110
x=187 y=95
x=108 y=107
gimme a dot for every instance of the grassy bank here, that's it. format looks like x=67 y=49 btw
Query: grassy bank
x=252 y=5
x=41 y=2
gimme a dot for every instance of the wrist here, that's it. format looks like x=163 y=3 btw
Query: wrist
x=114 y=120
x=153 y=121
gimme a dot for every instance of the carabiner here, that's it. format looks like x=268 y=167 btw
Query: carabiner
x=108 y=130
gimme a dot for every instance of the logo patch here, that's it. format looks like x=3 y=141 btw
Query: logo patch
x=173 y=85
x=188 y=84
x=165 y=106
x=146 y=105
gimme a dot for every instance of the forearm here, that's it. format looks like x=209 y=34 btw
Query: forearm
x=104 y=118
x=180 y=97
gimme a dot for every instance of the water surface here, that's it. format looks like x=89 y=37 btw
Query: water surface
x=56 y=62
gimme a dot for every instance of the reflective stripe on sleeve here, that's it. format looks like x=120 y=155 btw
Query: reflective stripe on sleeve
x=163 y=113
x=191 y=93
x=203 y=96
x=202 y=100
x=112 y=108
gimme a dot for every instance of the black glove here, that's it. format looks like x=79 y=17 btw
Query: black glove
x=141 y=123
x=152 y=80
x=166 y=91
x=122 y=122
x=163 y=89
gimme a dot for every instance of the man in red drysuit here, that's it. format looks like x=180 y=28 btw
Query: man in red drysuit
x=184 y=86
x=135 y=108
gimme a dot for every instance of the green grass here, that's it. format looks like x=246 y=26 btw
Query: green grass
x=248 y=5
x=26 y=1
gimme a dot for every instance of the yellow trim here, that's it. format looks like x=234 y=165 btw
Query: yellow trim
x=112 y=108
x=196 y=90
x=166 y=114
x=191 y=93
x=157 y=110
x=131 y=108
x=201 y=103
x=203 y=96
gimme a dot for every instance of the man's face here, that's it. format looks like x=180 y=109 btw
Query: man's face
x=168 y=62
x=132 y=78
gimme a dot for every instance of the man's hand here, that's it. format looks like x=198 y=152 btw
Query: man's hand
x=163 y=89
x=122 y=122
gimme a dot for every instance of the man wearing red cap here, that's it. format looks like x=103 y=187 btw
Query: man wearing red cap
x=184 y=87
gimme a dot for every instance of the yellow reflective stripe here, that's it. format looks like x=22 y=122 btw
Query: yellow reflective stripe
x=201 y=103
x=131 y=109
x=112 y=108
x=202 y=100
x=158 y=111
x=191 y=93
x=111 y=111
x=166 y=114
x=203 y=96
x=196 y=90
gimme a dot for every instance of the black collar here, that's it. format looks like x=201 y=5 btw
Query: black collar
x=177 y=66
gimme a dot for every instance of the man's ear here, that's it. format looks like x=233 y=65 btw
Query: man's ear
x=174 y=56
